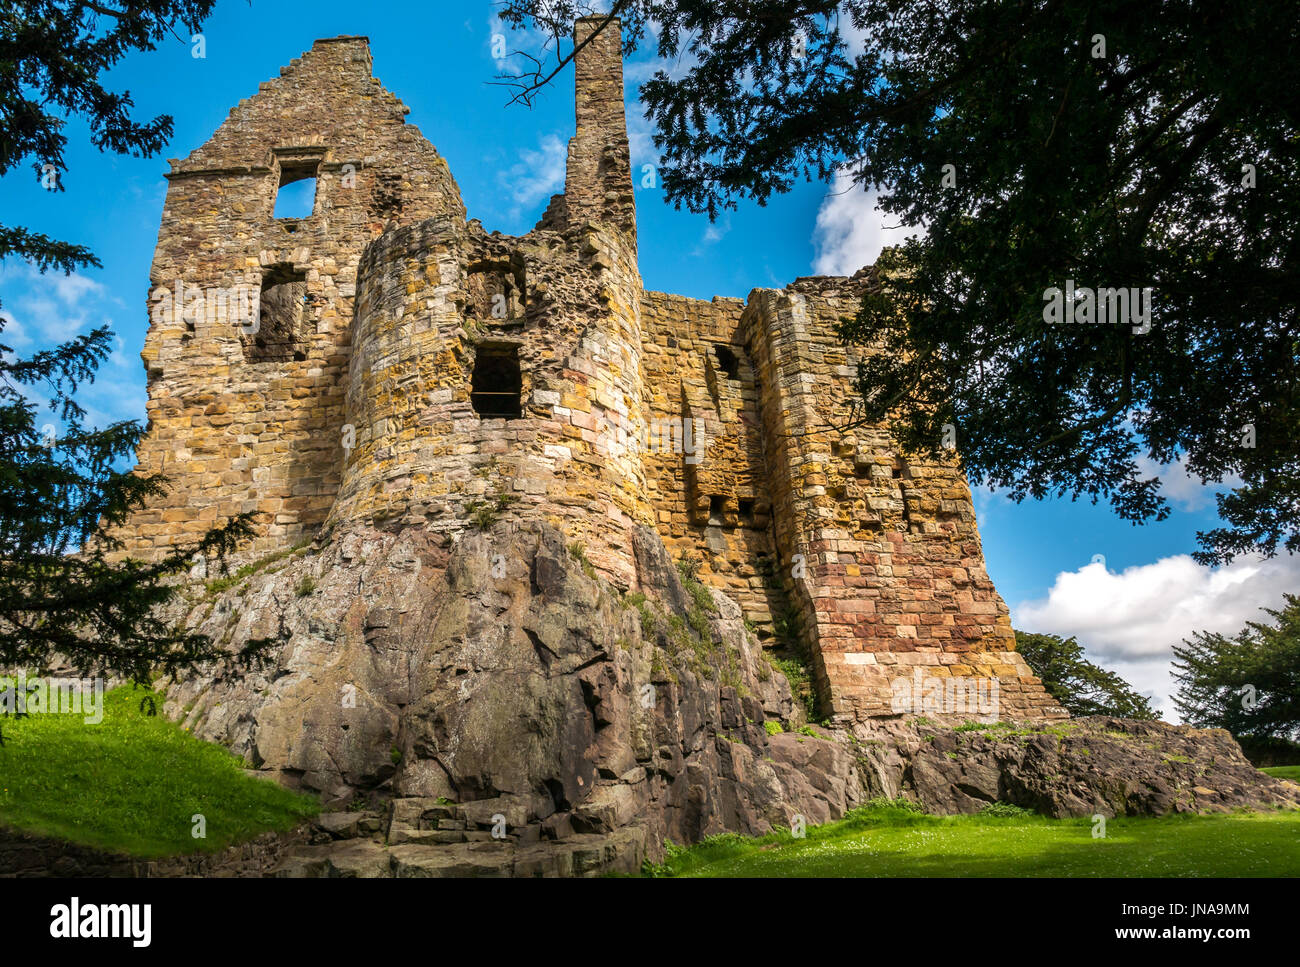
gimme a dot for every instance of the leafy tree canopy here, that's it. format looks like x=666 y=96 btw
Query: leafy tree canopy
x=52 y=53
x=1249 y=683
x=1081 y=687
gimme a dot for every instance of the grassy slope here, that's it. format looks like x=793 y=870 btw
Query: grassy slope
x=1283 y=772
x=132 y=783
x=889 y=841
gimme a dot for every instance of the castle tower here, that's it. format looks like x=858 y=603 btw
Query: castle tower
x=494 y=376
x=598 y=177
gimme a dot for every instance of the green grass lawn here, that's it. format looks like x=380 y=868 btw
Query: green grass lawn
x=133 y=782
x=1283 y=772
x=886 y=840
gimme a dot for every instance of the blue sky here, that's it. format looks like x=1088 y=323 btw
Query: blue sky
x=1128 y=607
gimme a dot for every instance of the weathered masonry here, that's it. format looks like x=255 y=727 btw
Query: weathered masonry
x=383 y=361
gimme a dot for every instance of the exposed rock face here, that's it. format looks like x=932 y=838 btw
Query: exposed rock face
x=1084 y=767
x=492 y=681
x=504 y=711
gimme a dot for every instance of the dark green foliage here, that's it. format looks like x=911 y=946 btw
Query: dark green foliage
x=1004 y=809
x=52 y=53
x=1267 y=752
x=60 y=593
x=1127 y=169
x=1248 y=684
x=1081 y=687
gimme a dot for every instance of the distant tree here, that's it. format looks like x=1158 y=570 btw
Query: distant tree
x=1081 y=687
x=1249 y=683
x=1143 y=147
x=62 y=596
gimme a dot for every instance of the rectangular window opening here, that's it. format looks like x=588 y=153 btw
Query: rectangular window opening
x=496 y=384
x=296 y=195
x=717 y=506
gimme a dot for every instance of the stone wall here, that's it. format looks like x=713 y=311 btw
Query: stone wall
x=712 y=503
x=563 y=303
x=879 y=547
x=235 y=425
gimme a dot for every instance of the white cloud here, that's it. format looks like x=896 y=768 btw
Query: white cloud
x=640 y=142
x=53 y=308
x=646 y=65
x=713 y=233
x=1130 y=621
x=1183 y=490
x=988 y=499
x=513 y=44
x=45 y=309
x=74 y=290
x=855 y=39
x=851 y=230
x=14 y=334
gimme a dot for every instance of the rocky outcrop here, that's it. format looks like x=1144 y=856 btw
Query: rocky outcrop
x=491 y=684
x=1084 y=767
x=485 y=704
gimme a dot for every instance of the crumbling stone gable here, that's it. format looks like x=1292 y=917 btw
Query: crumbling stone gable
x=383 y=362
x=245 y=406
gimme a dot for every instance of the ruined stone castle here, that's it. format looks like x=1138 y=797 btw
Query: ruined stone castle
x=400 y=366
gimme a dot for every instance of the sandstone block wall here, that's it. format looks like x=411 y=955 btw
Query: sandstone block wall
x=880 y=547
x=237 y=428
x=714 y=503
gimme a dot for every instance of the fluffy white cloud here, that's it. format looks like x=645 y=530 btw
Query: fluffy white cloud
x=512 y=49
x=46 y=310
x=1129 y=621
x=640 y=142
x=851 y=230
x=854 y=38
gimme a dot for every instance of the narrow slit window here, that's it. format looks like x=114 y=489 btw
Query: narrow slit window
x=746 y=511
x=497 y=384
x=296 y=196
